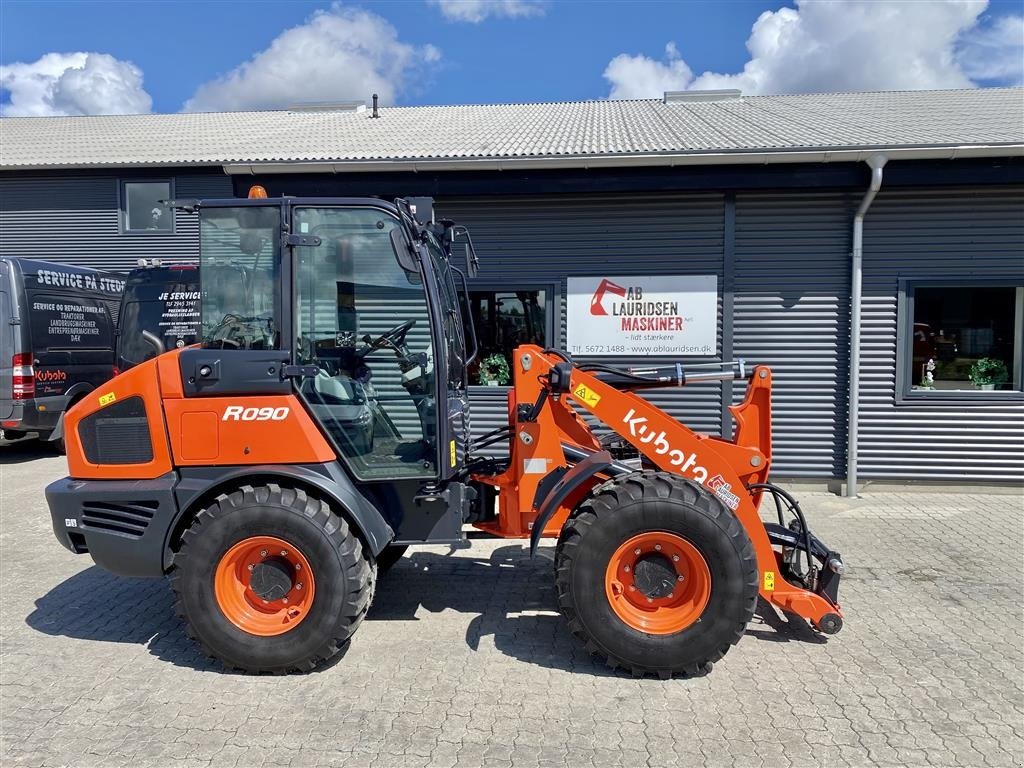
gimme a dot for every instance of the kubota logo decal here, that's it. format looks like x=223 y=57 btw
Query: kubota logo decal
x=47 y=376
x=240 y=413
x=687 y=463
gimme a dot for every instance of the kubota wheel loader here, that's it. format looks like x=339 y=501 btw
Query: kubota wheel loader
x=322 y=425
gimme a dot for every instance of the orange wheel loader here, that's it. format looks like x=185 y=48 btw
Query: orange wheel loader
x=321 y=427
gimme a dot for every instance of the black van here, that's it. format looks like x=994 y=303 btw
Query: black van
x=159 y=311
x=56 y=341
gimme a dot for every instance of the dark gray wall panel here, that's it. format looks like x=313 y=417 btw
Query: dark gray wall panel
x=969 y=233
x=545 y=239
x=791 y=313
x=75 y=220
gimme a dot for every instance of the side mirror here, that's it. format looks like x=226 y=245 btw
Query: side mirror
x=472 y=262
x=154 y=341
x=404 y=252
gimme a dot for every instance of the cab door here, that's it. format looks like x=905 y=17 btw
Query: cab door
x=362 y=327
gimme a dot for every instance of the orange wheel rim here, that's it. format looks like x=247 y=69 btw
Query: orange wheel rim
x=658 y=583
x=264 y=586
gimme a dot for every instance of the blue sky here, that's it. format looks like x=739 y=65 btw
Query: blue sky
x=89 y=57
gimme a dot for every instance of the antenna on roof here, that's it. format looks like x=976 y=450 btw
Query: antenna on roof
x=375 y=112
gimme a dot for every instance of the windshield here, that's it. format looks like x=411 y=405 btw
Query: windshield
x=240 y=257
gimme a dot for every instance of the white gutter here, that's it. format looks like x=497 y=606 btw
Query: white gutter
x=623 y=160
x=668 y=159
x=877 y=163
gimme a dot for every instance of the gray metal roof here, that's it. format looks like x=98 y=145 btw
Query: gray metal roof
x=750 y=129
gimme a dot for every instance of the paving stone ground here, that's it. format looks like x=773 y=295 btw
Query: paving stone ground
x=464 y=661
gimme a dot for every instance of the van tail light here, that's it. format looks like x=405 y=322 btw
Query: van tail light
x=23 y=377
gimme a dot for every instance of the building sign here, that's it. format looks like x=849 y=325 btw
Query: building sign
x=674 y=315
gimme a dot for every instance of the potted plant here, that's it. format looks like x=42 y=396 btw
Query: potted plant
x=494 y=370
x=989 y=373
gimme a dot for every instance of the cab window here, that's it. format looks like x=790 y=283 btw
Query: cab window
x=363 y=322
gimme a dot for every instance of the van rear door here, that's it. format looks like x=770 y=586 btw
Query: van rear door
x=6 y=351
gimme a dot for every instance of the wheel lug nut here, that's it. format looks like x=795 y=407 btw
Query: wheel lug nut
x=299 y=585
x=298 y=566
x=650 y=600
x=675 y=558
x=284 y=553
x=627 y=569
x=284 y=599
x=263 y=553
x=632 y=588
x=680 y=578
x=250 y=566
x=671 y=595
x=658 y=547
x=636 y=551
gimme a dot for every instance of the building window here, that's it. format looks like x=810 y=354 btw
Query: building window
x=961 y=338
x=504 y=319
x=143 y=209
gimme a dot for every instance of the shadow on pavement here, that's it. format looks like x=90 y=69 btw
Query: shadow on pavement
x=512 y=595
x=28 y=449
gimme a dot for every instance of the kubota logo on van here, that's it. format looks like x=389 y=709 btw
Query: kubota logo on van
x=48 y=376
x=241 y=413
x=687 y=463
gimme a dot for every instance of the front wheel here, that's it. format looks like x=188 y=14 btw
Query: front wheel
x=270 y=579
x=656 y=575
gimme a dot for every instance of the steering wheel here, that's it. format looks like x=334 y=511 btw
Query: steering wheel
x=393 y=338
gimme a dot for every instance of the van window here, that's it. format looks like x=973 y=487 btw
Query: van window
x=68 y=322
x=173 y=317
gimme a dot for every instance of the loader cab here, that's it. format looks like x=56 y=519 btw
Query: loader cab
x=361 y=300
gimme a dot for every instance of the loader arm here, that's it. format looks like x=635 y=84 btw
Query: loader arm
x=545 y=422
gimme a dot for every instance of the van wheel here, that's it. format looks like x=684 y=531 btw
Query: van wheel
x=270 y=579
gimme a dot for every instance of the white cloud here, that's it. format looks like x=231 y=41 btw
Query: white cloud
x=638 y=77
x=73 y=84
x=847 y=45
x=994 y=52
x=337 y=54
x=475 y=11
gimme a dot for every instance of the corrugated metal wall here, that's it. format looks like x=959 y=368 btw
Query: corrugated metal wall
x=792 y=299
x=75 y=220
x=785 y=274
x=924 y=233
x=541 y=240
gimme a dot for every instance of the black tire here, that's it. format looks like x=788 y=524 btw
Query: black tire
x=343 y=576
x=654 y=501
x=389 y=556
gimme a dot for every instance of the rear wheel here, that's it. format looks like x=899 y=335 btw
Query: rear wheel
x=269 y=579
x=656 y=575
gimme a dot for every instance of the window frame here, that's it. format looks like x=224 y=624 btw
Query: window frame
x=123 y=228
x=905 y=393
x=551 y=295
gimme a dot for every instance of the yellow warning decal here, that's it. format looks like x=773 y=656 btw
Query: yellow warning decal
x=108 y=398
x=769 y=581
x=451 y=452
x=586 y=396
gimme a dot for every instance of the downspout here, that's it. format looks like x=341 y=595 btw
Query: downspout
x=877 y=163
